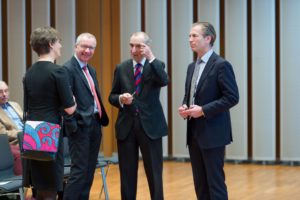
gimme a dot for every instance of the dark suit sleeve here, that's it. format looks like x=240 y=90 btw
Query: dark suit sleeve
x=160 y=75
x=186 y=87
x=229 y=91
x=116 y=89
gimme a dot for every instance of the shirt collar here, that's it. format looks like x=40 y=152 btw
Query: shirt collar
x=4 y=106
x=142 y=62
x=82 y=64
x=206 y=56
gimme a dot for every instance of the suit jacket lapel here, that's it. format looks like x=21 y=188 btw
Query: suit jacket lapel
x=6 y=119
x=81 y=75
x=129 y=70
x=207 y=69
x=17 y=109
x=93 y=75
x=190 y=76
x=145 y=74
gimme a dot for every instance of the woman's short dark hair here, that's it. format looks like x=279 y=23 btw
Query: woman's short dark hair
x=41 y=37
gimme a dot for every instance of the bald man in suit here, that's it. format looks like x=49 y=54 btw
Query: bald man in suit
x=141 y=123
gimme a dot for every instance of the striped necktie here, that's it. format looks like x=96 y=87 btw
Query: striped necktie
x=137 y=78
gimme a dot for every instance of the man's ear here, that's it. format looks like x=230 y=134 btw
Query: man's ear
x=208 y=39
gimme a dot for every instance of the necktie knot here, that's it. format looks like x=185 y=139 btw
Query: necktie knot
x=199 y=60
x=138 y=65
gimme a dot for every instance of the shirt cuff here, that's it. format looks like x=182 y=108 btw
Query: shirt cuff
x=150 y=61
x=122 y=105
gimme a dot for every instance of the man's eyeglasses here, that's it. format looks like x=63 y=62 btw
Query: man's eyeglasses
x=87 y=47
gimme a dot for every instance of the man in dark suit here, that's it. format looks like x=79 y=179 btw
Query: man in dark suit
x=210 y=91
x=85 y=134
x=141 y=122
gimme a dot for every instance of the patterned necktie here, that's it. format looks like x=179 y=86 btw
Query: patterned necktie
x=137 y=78
x=194 y=82
x=92 y=86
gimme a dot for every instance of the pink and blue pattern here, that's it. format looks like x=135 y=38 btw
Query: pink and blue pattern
x=41 y=136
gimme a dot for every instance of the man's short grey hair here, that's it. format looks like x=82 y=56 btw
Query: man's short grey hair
x=147 y=39
x=84 y=35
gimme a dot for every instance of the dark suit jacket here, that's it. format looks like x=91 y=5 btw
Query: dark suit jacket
x=83 y=94
x=216 y=92
x=148 y=103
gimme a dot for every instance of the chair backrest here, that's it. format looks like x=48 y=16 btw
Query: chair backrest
x=6 y=157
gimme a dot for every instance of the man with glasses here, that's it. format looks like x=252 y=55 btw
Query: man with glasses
x=11 y=123
x=85 y=133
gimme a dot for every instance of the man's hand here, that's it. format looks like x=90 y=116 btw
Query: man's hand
x=195 y=111
x=182 y=111
x=146 y=51
x=126 y=98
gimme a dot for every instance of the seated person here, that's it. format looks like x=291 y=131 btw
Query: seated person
x=10 y=124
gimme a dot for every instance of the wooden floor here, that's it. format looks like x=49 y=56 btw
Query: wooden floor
x=244 y=182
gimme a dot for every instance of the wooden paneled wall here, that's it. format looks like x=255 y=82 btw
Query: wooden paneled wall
x=259 y=37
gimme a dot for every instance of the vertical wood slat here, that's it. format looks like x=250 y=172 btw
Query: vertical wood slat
x=16 y=48
x=170 y=72
x=130 y=22
x=1 y=52
x=249 y=60
x=182 y=19
x=278 y=81
x=289 y=80
x=28 y=32
x=263 y=79
x=158 y=33
x=209 y=11
x=66 y=25
x=108 y=61
x=116 y=55
x=236 y=54
x=40 y=16
x=4 y=40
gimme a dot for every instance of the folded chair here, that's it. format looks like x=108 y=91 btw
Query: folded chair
x=105 y=162
x=67 y=168
x=10 y=184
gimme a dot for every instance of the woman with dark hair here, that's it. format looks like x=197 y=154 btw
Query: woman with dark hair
x=47 y=95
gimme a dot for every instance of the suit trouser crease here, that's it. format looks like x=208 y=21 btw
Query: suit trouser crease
x=84 y=149
x=151 y=150
x=208 y=172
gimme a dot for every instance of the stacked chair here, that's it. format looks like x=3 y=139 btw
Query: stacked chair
x=10 y=184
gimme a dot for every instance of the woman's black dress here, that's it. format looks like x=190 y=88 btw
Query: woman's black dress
x=47 y=93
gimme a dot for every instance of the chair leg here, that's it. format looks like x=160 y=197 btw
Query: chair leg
x=104 y=185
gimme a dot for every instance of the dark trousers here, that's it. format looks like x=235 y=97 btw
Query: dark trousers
x=84 y=149
x=208 y=172
x=128 y=152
